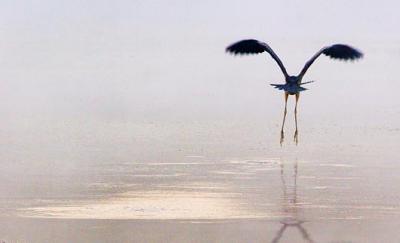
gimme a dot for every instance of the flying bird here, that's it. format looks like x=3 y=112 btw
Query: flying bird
x=293 y=84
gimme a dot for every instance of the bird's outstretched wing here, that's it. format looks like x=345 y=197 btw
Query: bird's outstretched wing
x=255 y=47
x=337 y=51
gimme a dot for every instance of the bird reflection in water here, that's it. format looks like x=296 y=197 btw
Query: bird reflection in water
x=290 y=209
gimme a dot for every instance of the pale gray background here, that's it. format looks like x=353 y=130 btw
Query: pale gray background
x=96 y=95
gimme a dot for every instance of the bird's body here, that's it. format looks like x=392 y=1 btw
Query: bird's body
x=293 y=84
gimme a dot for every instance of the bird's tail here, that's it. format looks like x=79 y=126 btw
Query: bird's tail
x=279 y=86
x=289 y=88
x=307 y=82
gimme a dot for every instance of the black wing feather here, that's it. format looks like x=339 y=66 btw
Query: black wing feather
x=252 y=46
x=342 y=52
x=337 y=51
x=247 y=47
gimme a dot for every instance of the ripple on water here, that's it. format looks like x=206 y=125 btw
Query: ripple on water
x=153 y=205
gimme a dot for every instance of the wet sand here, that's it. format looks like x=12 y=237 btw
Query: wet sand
x=125 y=121
x=344 y=193
x=71 y=230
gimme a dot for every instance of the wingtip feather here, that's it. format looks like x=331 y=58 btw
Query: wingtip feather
x=343 y=52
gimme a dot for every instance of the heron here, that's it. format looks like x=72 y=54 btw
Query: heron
x=293 y=84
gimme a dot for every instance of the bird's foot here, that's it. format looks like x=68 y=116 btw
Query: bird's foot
x=282 y=138
x=296 y=137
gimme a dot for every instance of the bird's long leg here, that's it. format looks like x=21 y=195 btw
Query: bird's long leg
x=284 y=117
x=296 y=135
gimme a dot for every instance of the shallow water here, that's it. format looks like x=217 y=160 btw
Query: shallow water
x=126 y=121
x=195 y=191
x=233 y=189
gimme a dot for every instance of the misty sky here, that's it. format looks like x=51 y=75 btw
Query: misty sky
x=90 y=82
x=141 y=59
